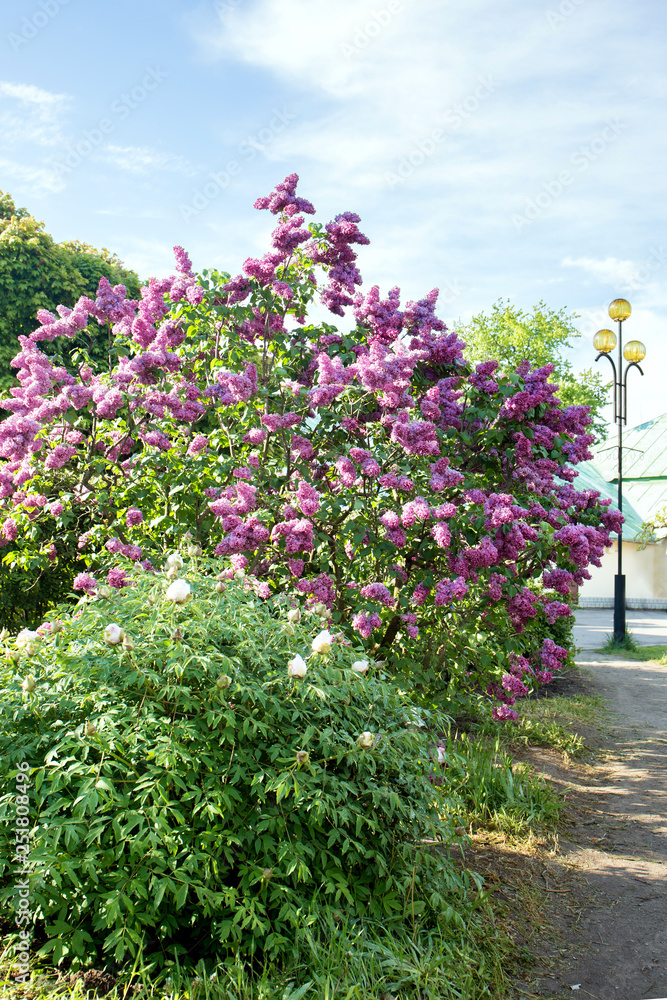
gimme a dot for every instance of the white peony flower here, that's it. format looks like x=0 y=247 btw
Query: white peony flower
x=29 y=684
x=360 y=666
x=113 y=634
x=25 y=637
x=294 y=615
x=322 y=642
x=174 y=561
x=365 y=741
x=178 y=592
x=297 y=666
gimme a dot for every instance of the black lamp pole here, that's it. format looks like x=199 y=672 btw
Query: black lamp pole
x=604 y=342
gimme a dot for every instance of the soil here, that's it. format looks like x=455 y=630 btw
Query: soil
x=590 y=906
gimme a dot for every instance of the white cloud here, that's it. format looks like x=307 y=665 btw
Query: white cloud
x=610 y=270
x=31 y=180
x=143 y=160
x=30 y=114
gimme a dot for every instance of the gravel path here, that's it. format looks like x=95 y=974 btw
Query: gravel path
x=619 y=948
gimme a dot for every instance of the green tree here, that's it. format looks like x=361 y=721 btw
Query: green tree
x=37 y=273
x=541 y=337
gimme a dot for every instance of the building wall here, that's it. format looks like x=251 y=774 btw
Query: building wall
x=645 y=577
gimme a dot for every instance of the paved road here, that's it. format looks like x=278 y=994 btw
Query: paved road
x=593 y=625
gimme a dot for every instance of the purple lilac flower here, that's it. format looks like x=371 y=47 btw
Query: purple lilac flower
x=133 y=517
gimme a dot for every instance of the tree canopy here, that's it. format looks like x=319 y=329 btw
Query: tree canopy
x=38 y=273
x=510 y=335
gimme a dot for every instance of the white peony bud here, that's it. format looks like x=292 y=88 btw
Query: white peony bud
x=29 y=684
x=297 y=666
x=302 y=757
x=223 y=681
x=221 y=587
x=194 y=550
x=89 y=728
x=240 y=574
x=172 y=573
x=26 y=636
x=105 y=592
x=174 y=561
x=113 y=634
x=288 y=629
x=128 y=644
x=365 y=741
x=294 y=615
x=442 y=758
x=322 y=642
x=14 y=655
x=178 y=592
x=360 y=666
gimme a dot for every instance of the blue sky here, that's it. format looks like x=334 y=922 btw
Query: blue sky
x=493 y=148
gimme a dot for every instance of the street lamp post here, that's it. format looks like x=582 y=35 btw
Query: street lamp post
x=604 y=342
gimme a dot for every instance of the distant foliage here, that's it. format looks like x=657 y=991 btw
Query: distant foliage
x=37 y=273
x=512 y=336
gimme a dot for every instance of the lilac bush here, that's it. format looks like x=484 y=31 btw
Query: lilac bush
x=419 y=504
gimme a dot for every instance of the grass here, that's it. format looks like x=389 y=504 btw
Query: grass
x=491 y=792
x=628 y=644
x=465 y=957
x=641 y=653
x=547 y=722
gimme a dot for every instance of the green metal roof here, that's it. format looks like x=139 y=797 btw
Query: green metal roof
x=590 y=478
x=644 y=464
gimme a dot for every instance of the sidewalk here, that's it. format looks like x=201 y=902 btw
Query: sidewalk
x=593 y=625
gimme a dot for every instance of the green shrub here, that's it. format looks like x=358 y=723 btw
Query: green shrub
x=191 y=799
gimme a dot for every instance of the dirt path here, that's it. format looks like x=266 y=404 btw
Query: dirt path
x=615 y=854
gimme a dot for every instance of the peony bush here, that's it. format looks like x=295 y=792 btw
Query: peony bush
x=365 y=468
x=208 y=775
